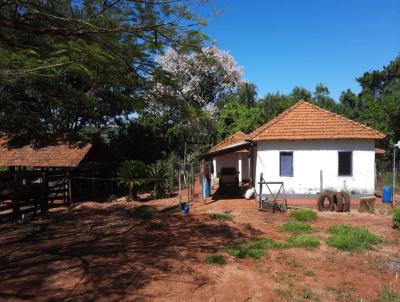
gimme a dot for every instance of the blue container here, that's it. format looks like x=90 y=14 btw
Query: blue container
x=205 y=188
x=387 y=194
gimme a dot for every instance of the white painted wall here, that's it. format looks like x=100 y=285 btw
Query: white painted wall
x=309 y=157
x=232 y=160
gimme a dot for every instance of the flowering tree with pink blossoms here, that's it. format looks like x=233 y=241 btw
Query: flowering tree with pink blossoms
x=196 y=79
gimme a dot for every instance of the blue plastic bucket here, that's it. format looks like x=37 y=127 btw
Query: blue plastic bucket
x=387 y=194
x=205 y=188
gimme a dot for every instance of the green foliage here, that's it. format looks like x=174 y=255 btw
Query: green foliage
x=144 y=212
x=296 y=227
x=304 y=215
x=158 y=177
x=131 y=173
x=388 y=294
x=303 y=241
x=235 y=117
x=345 y=237
x=87 y=63
x=216 y=259
x=396 y=218
x=220 y=216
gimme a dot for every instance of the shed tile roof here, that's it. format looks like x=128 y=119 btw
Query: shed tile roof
x=232 y=139
x=305 y=121
x=58 y=155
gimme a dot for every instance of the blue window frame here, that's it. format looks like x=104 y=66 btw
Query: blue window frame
x=345 y=163
x=286 y=163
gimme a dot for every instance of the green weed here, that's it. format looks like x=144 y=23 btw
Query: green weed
x=349 y=238
x=388 y=294
x=296 y=227
x=309 y=295
x=304 y=215
x=303 y=241
x=216 y=259
x=396 y=218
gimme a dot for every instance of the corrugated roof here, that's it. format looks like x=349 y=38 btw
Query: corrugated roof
x=230 y=140
x=57 y=155
x=305 y=121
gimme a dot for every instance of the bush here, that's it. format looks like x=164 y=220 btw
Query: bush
x=396 y=218
x=303 y=241
x=304 y=215
x=349 y=238
x=144 y=212
x=220 y=216
x=159 y=179
x=216 y=259
x=296 y=227
x=131 y=173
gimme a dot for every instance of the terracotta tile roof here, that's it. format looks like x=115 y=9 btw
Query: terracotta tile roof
x=59 y=155
x=232 y=139
x=304 y=121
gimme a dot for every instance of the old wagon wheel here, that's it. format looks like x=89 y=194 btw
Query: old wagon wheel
x=321 y=202
x=338 y=200
x=346 y=201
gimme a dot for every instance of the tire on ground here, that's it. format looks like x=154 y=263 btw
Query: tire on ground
x=346 y=201
x=321 y=202
x=338 y=201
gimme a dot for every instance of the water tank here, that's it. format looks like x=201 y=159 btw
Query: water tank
x=387 y=194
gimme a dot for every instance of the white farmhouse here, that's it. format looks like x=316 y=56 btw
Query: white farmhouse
x=305 y=147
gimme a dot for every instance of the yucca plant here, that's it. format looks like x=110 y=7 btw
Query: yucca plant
x=131 y=173
x=158 y=177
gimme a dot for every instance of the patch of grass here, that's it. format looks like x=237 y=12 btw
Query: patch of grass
x=308 y=294
x=216 y=259
x=303 y=241
x=396 y=218
x=220 y=216
x=350 y=238
x=388 y=294
x=304 y=215
x=258 y=246
x=144 y=212
x=255 y=249
x=282 y=293
x=296 y=227
x=246 y=251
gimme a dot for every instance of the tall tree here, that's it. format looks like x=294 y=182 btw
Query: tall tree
x=236 y=117
x=300 y=93
x=67 y=65
x=196 y=79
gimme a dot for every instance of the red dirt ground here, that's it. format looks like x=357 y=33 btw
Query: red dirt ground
x=100 y=251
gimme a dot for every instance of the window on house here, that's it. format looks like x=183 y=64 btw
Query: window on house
x=345 y=163
x=286 y=163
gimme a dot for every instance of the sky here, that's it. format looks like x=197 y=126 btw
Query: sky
x=286 y=43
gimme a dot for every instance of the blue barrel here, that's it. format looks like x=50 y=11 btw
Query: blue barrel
x=205 y=188
x=387 y=194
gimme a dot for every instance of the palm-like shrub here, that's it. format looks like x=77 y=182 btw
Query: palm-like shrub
x=158 y=177
x=131 y=173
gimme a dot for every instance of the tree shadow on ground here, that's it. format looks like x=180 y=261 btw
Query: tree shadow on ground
x=107 y=254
